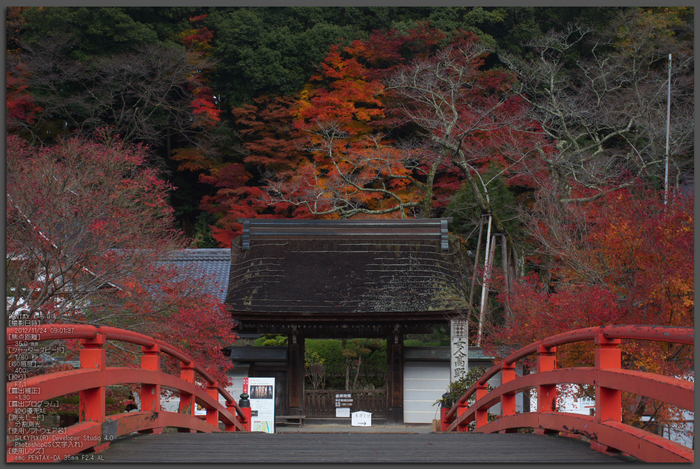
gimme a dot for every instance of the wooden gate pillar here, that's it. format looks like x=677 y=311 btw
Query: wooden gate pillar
x=394 y=384
x=295 y=372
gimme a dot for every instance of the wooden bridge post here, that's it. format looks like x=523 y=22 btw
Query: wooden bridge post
x=186 y=399
x=608 y=401
x=213 y=414
x=444 y=409
x=231 y=407
x=150 y=393
x=92 y=401
x=507 y=400
x=462 y=408
x=482 y=415
x=546 y=393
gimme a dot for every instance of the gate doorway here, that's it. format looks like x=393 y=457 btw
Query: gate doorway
x=345 y=375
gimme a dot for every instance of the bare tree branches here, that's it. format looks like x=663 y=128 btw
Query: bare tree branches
x=466 y=112
x=142 y=95
x=604 y=113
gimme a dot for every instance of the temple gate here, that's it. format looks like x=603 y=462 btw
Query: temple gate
x=345 y=279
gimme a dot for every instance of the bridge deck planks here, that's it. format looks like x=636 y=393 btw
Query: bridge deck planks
x=351 y=448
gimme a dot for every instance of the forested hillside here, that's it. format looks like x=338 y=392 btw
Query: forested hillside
x=541 y=131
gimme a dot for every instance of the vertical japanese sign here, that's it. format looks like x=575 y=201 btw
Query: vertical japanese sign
x=262 y=403
x=459 y=350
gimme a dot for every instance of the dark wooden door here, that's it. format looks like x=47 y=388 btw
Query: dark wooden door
x=280 y=375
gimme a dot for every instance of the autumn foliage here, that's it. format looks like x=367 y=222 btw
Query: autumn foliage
x=89 y=229
x=341 y=147
x=628 y=259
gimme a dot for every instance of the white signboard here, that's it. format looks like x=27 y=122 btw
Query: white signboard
x=262 y=403
x=361 y=419
x=343 y=403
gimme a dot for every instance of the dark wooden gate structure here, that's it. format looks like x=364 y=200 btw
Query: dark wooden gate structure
x=344 y=279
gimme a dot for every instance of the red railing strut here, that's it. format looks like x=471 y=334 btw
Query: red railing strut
x=605 y=429
x=95 y=430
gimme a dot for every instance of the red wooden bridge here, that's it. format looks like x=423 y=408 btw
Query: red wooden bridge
x=605 y=429
x=95 y=431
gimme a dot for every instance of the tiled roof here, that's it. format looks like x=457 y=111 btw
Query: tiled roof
x=213 y=263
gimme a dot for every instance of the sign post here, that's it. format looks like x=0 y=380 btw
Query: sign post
x=459 y=349
x=262 y=403
x=343 y=403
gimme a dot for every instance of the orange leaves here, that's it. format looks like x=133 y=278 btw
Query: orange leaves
x=646 y=249
x=198 y=39
x=347 y=95
x=629 y=260
x=191 y=159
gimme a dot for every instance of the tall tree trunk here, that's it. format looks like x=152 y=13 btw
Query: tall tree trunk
x=357 y=370
x=476 y=259
x=347 y=374
x=485 y=286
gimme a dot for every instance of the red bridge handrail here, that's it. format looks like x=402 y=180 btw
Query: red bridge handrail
x=680 y=335
x=95 y=430
x=85 y=331
x=607 y=338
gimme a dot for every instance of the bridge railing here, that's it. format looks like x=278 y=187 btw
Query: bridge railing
x=605 y=429
x=95 y=430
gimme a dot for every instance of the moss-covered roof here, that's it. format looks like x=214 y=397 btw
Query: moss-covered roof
x=352 y=271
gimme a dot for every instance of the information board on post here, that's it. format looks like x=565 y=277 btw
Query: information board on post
x=262 y=403
x=343 y=403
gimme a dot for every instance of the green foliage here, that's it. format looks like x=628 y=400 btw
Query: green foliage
x=315 y=378
x=98 y=31
x=202 y=237
x=465 y=211
x=270 y=340
x=420 y=343
x=458 y=388
x=440 y=337
x=312 y=358
x=337 y=355
x=272 y=50
x=330 y=351
x=334 y=354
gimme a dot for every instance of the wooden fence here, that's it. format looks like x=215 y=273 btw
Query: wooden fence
x=323 y=403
